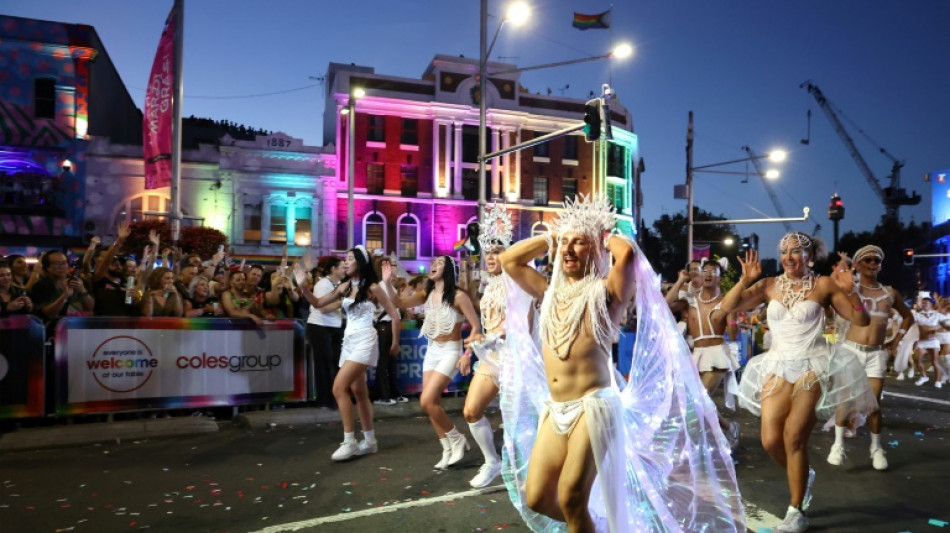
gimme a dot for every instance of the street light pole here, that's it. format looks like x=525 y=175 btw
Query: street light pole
x=482 y=108
x=350 y=163
x=689 y=190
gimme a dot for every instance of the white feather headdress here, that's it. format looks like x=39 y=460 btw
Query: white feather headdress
x=495 y=228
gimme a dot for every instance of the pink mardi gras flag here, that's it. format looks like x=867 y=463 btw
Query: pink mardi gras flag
x=157 y=118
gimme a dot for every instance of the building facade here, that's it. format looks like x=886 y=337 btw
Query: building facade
x=48 y=110
x=415 y=172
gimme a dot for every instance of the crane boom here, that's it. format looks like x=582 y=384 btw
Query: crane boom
x=892 y=196
x=768 y=186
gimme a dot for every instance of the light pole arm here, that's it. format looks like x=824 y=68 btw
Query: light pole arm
x=743 y=160
x=803 y=218
x=533 y=142
x=556 y=64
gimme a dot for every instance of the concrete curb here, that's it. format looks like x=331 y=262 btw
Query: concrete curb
x=312 y=415
x=79 y=434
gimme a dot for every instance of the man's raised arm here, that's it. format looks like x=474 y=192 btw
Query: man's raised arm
x=514 y=261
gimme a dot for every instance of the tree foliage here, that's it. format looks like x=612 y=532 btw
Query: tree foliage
x=196 y=239
x=665 y=243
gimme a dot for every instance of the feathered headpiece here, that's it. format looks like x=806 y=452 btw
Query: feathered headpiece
x=495 y=228
x=591 y=216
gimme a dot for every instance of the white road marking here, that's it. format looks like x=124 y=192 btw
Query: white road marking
x=756 y=517
x=918 y=398
x=313 y=522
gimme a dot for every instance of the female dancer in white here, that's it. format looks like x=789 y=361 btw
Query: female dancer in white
x=801 y=375
x=494 y=237
x=445 y=307
x=360 y=350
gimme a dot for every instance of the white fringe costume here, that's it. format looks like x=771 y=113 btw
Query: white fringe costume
x=662 y=461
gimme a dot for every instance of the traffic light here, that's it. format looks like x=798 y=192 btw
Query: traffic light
x=597 y=118
x=908 y=256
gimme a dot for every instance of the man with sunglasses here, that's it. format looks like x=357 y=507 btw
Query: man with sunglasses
x=866 y=342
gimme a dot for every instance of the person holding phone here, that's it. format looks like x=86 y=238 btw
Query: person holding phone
x=54 y=291
x=13 y=300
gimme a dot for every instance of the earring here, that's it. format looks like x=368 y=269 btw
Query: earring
x=811 y=264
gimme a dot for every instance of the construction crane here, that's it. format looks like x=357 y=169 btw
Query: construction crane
x=892 y=196
x=755 y=158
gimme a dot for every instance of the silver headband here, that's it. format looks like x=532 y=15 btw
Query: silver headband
x=363 y=251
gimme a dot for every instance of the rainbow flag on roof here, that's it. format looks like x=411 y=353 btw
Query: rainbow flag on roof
x=592 y=22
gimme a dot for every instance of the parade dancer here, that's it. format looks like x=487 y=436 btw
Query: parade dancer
x=928 y=320
x=654 y=447
x=943 y=335
x=706 y=324
x=494 y=237
x=360 y=350
x=802 y=377
x=866 y=343
x=446 y=307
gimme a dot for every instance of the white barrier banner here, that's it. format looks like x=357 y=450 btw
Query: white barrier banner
x=113 y=364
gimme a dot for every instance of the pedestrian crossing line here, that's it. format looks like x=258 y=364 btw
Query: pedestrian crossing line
x=342 y=517
x=756 y=517
x=918 y=398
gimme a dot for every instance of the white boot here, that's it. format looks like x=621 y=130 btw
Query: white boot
x=482 y=433
x=446 y=454
x=459 y=445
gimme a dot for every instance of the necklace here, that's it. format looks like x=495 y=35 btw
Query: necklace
x=790 y=295
x=879 y=286
x=709 y=301
x=493 y=304
x=562 y=310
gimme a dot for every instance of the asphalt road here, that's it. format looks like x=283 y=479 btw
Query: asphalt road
x=282 y=479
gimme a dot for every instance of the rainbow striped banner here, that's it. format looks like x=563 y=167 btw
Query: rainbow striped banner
x=600 y=21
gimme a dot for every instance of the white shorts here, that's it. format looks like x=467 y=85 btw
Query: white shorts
x=360 y=346
x=929 y=344
x=872 y=358
x=717 y=357
x=943 y=337
x=442 y=356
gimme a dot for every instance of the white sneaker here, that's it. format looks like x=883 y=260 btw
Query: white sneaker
x=878 y=459
x=806 y=501
x=939 y=384
x=910 y=372
x=402 y=399
x=921 y=380
x=900 y=376
x=795 y=522
x=366 y=447
x=836 y=455
x=486 y=474
x=384 y=402
x=345 y=451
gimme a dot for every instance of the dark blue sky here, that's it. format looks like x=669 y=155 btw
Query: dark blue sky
x=737 y=65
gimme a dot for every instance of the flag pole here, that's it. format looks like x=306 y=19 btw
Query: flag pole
x=175 y=211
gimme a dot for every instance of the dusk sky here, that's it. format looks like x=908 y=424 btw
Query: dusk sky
x=737 y=65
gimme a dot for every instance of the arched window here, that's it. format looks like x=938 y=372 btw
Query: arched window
x=374 y=231
x=538 y=228
x=407 y=233
x=140 y=207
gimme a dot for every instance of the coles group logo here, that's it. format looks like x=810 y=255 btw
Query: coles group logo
x=122 y=364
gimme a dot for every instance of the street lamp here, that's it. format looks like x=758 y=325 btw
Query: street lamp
x=776 y=156
x=517 y=14
x=350 y=113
